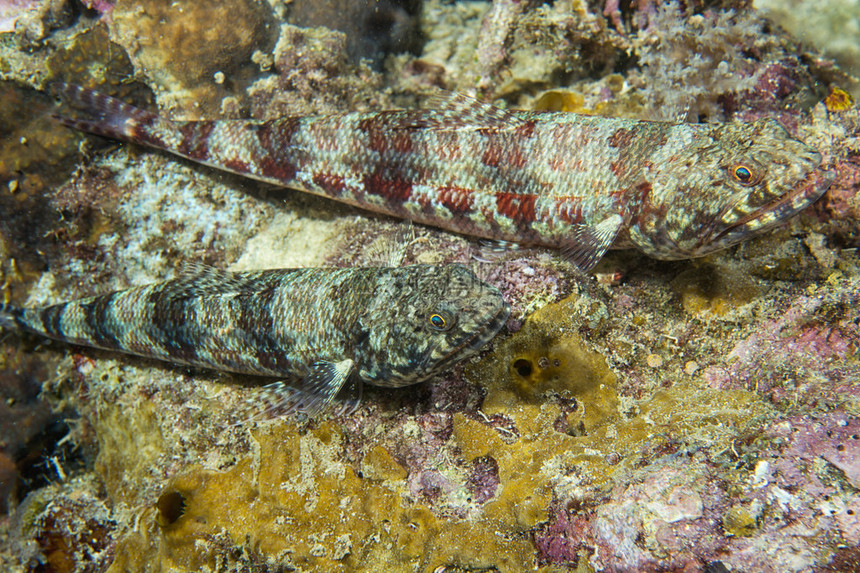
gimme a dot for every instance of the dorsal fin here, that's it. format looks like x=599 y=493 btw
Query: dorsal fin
x=390 y=250
x=198 y=279
x=459 y=112
x=202 y=271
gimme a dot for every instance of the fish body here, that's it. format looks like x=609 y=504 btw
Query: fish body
x=573 y=182
x=381 y=326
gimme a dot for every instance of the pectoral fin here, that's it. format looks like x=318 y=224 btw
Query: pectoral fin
x=309 y=397
x=325 y=381
x=390 y=251
x=587 y=244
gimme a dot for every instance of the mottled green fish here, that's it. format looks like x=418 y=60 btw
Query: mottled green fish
x=326 y=326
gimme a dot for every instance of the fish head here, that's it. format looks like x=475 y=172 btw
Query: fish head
x=423 y=319
x=713 y=186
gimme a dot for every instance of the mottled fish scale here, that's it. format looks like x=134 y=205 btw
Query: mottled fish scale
x=381 y=326
x=573 y=182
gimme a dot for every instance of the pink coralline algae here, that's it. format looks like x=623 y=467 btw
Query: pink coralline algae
x=101 y=6
x=799 y=471
x=563 y=539
x=483 y=479
x=11 y=10
x=842 y=201
x=834 y=437
x=665 y=521
x=805 y=354
x=684 y=513
x=773 y=83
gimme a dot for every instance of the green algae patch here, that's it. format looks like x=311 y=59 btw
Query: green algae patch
x=708 y=291
x=294 y=502
x=129 y=447
x=739 y=521
x=523 y=496
x=569 y=429
x=707 y=416
x=548 y=356
x=624 y=103
x=379 y=464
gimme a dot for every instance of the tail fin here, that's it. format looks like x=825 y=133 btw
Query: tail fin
x=8 y=317
x=109 y=117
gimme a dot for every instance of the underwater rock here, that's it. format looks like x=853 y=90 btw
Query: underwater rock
x=735 y=66
x=451 y=32
x=806 y=355
x=197 y=51
x=102 y=7
x=510 y=48
x=843 y=198
x=70 y=527
x=524 y=45
x=11 y=11
x=829 y=25
x=709 y=291
x=373 y=28
x=779 y=257
x=38 y=155
x=91 y=59
x=24 y=419
x=35 y=157
x=312 y=66
x=35 y=20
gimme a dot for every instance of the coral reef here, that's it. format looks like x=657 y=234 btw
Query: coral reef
x=11 y=11
x=34 y=21
x=192 y=48
x=373 y=28
x=733 y=65
x=513 y=46
x=315 y=77
x=66 y=527
x=830 y=26
x=692 y=415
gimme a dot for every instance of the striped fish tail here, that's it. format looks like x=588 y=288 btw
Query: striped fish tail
x=110 y=117
x=9 y=317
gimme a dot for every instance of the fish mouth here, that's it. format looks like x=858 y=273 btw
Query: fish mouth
x=479 y=338
x=428 y=365
x=805 y=193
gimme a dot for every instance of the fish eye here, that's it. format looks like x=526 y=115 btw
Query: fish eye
x=440 y=320
x=744 y=174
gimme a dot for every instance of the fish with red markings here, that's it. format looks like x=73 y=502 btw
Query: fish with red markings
x=582 y=184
